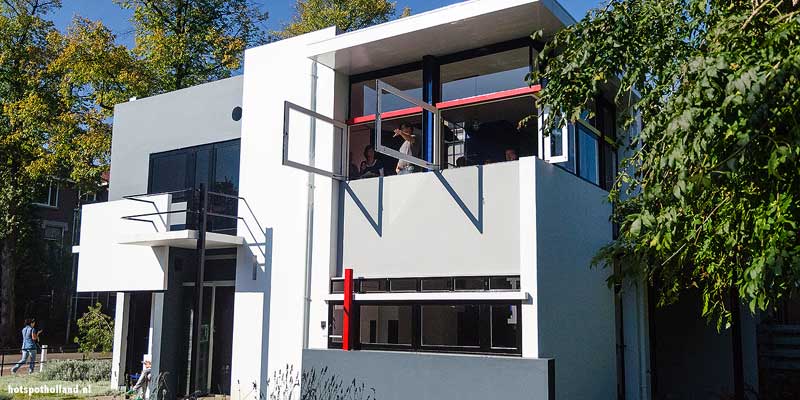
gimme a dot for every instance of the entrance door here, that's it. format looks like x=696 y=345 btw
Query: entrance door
x=222 y=343
x=215 y=338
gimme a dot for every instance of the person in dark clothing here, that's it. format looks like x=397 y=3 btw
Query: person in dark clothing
x=371 y=166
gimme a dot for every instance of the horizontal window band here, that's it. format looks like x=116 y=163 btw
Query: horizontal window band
x=450 y=104
x=433 y=296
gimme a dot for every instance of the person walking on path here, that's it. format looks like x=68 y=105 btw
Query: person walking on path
x=29 y=338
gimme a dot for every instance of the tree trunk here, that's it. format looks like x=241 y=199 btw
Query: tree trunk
x=8 y=272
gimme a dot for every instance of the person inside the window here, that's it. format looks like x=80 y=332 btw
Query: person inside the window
x=371 y=166
x=409 y=148
x=511 y=155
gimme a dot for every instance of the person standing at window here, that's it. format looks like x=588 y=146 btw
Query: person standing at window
x=29 y=346
x=511 y=155
x=408 y=148
x=371 y=166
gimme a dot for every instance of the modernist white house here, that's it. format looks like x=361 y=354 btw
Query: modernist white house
x=468 y=278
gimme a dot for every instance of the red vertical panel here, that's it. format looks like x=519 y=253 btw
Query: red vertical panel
x=348 y=307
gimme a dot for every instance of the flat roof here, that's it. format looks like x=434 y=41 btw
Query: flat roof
x=458 y=27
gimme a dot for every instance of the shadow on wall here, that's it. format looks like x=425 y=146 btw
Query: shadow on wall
x=316 y=384
x=475 y=217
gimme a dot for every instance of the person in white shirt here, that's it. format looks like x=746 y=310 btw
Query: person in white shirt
x=408 y=148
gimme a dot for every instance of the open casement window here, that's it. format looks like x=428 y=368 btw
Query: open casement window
x=319 y=144
x=555 y=145
x=417 y=106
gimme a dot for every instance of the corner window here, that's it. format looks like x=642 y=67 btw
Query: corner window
x=364 y=95
x=486 y=74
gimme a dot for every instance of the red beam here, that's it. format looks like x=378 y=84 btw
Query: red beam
x=348 y=307
x=502 y=95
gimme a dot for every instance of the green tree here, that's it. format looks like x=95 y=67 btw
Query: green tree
x=51 y=127
x=181 y=43
x=710 y=196
x=347 y=15
x=95 y=331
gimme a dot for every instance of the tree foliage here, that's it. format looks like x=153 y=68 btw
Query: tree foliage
x=181 y=43
x=347 y=15
x=95 y=331
x=710 y=195
x=52 y=125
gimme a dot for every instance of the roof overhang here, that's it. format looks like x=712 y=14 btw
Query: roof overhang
x=461 y=26
x=185 y=239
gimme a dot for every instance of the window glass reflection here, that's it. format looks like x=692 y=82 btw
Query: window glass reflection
x=451 y=325
x=385 y=324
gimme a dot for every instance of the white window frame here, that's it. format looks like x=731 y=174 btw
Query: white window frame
x=343 y=150
x=545 y=141
x=50 y=203
x=380 y=88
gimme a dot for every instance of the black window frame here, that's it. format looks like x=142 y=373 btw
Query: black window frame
x=485 y=321
x=336 y=286
x=191 y=160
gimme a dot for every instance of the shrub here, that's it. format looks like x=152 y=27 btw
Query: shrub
x=77 y=370
x=95 y=330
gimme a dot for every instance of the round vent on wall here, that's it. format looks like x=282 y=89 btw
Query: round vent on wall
x=236 y=114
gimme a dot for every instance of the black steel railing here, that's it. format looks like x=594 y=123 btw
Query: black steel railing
x=221 y=212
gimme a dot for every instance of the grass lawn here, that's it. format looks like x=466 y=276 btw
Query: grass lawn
x=23 y=383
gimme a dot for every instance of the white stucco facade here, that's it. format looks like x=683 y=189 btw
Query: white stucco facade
x=298 y=230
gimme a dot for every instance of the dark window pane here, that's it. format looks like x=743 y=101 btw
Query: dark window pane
x=473 y=283
x=403 y=285
x=451 y=325
x=504 y=283
x=609 y=165
x=385 y=324
x=226 y=169
x=202 y=168
x=437 y=284
x=373 y=285
x=505 y=329
x=606 y=119
x=588 y=150
x=337 y=286
x=336 y=328
x=168 y=173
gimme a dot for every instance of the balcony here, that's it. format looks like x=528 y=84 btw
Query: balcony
x=470 y=221
x=124 y=244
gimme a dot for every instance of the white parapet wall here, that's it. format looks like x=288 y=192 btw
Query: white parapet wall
x=403 y=376
x=455 y=222
x=104 y=264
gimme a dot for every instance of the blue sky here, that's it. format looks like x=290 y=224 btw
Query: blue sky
x=280 y=12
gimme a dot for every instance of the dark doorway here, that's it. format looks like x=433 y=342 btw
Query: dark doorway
x=138 y=331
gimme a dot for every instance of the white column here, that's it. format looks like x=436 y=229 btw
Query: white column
x=154 y=339
x=637 y=341
x=120 y=340
x=527 y=256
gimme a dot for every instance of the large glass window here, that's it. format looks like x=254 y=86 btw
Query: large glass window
x=47 y=195
x=363 y=96
x=459 y=327
x=455 y=325
x=388 y=324
x=588 y=161
x=505 y=326
x=486 y=74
